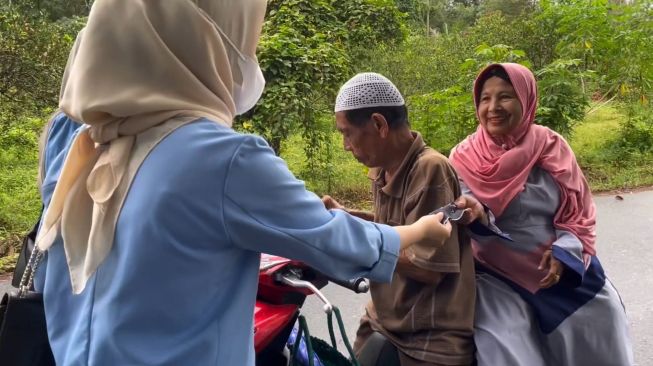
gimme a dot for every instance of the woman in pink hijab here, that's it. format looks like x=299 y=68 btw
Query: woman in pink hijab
x=542 y=295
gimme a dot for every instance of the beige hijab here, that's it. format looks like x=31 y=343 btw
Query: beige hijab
x=142 y=69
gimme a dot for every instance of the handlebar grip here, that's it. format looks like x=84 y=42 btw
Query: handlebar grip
x=358 y=285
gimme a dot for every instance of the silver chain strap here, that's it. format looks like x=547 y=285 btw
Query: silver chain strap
x=28 y=275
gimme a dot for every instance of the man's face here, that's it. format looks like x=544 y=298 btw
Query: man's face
x=362 y=141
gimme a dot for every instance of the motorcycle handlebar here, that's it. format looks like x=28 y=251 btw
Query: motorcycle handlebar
x=358 y=285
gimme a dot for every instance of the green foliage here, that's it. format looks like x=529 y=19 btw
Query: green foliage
x=370 y=21
x=337 y=173
x=508 y=8
x=440 y=16
x=54 y=9
x=19 y=198
x=562 y=102
x=33 y=53
x=417 y=66
x=599 y=146
x=305 y=53
x=610 y=38
x=421 y=64
x=486 y=55
x=636 y=132
x=444 y=117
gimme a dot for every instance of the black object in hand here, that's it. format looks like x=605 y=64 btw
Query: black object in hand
x=451 y=213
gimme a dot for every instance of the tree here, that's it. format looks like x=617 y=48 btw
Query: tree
x=509 y=8
x=306 y=52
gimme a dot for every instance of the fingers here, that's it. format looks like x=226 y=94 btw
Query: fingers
x=444 y=229
x=473 y=209
x=549 y=280
x=555 y=270
x=330 y=203
x=433 y=227
x=448 y=227
x=326 y=200
x=465 y=201
x=461 y=202
x=546 y=257
x=468 y=216
x=439 y=216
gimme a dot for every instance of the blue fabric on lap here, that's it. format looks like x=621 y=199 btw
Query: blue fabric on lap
x=553 y=305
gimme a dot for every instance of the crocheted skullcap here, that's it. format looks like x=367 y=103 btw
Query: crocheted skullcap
x=368 y=89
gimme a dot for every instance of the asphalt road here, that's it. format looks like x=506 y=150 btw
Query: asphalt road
x=624 y=233
x=625 y=248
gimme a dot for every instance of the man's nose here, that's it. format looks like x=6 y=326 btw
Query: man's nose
x=346 y=145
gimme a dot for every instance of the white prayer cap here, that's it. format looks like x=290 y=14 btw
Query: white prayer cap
x=368 y=89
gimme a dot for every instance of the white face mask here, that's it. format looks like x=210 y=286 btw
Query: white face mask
x=249 y=91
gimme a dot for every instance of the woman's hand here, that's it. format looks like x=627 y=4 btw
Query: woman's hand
x=434 y=229
x=474 y=210
x=555 y=269
x=427 y=229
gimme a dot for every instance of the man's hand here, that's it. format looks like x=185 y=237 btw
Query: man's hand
x=474 y=210
x=331 y=203
x=555 y=269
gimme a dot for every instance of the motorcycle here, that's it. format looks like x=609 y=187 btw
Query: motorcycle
x=283 y=287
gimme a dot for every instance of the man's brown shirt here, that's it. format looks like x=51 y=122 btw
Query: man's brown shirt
x=428 y=322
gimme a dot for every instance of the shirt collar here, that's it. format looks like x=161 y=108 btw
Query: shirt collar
x=394 y=187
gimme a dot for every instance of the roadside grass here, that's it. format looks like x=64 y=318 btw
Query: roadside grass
x=341 y=176
x=19 y=199
x=606 y=167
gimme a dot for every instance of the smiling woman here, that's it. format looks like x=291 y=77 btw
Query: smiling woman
x=546 y=283
x=499 y=109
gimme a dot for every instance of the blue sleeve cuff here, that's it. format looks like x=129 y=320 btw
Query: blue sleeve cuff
x=574 y=268
x=385 y=267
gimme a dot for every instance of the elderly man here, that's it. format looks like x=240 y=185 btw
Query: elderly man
x=427 y=311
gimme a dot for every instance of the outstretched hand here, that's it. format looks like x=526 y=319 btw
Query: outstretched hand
x=433 y=227
x=427 y=229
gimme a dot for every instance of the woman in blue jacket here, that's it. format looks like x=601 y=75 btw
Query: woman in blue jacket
x=155 y=226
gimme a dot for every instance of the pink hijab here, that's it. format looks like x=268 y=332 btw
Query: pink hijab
x=496 y=168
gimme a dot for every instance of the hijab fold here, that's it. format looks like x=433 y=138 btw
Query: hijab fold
x=496 y=168
x=141 y=69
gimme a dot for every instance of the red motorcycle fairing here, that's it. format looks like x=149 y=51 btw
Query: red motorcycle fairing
x=276 y=305
x=268 y=320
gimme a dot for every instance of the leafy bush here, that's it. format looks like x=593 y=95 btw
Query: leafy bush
x=444 y=117
x=19 y=198
x=562 y=101
x=33 y=52
x=636 y=132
